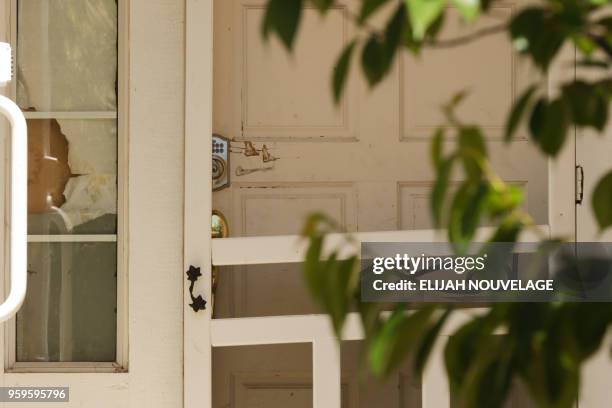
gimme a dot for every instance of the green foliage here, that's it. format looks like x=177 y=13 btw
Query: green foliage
x=545 y=344
x=469 y=9
x=549 y=125
x=282 y=18
x=518 y=111
x=602 y=201
x=422 y=14
x=341 y=70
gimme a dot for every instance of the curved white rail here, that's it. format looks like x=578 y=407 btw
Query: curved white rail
x=18 y=219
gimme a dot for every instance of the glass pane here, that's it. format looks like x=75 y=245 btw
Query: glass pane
x=67 y=55
x=66 y=61
x=70 y=310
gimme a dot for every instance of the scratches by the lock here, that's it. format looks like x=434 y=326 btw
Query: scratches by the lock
x=240 y=171
x=252 y=154
x=250 y=149
x=266 y=156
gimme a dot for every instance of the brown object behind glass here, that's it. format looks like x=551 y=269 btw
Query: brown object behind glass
x=48 y=170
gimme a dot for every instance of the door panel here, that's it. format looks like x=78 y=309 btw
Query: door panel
x=363 y=162
x=281 y=376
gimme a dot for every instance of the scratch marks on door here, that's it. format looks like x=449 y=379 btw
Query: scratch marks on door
x=250 y=150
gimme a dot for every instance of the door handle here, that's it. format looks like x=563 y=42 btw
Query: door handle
x=18 y=191
x=219 y=229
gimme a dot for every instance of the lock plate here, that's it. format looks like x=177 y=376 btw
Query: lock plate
x=220 y=162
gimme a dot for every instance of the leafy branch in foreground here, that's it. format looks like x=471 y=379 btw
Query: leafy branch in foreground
x=545 y=344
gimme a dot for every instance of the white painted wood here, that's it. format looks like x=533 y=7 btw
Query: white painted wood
x=436 y=393
x=593 y=153
x=73 y=238
x=292 y=248
x=197 y=352
x=305 y=328
x=156 y=203
x=595 y=385
x=269 y=330
x=326 y=373
x=95 y=115
x=561 y=170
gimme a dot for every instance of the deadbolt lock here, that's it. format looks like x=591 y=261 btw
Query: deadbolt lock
x=220 y=162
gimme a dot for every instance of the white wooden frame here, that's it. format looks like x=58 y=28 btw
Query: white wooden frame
x=121 y=114
x=202 y=332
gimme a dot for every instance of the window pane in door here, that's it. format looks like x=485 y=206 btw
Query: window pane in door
x=67 y=55
x=70 y=310
x=66 y=84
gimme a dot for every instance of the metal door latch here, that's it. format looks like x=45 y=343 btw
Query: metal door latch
x=579 y=184
x=197 y=303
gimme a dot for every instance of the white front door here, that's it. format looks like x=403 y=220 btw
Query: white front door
x=103 y=312
x=293 y=152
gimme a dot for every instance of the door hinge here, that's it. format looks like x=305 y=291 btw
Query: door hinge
x=579 y=184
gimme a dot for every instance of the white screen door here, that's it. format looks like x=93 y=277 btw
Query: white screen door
x=293 y=152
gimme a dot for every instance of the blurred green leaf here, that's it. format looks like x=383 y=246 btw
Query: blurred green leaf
x=440 y=187
x=602 y=201
x=429 y=338
x=338 y=287
x=466 y=213
x=332 y=281
x=549 y=125
x=282 y=17
x=369 y=7
x=341 y=71
x=584 y=44
x=590 y=323
x=437 y=145
x=508 y=230
x=379 y=51
x=469 y=9
x=589 y=104
x=518 y=109
x=534 y=33
x=472 y=150
x=322 y=5
x=422 y=14
x=396 y=338
x=373 y=60
x=503 y=199
x=460 y=349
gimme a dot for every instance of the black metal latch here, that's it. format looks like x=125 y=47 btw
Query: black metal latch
x=197 y=303
x=579 y=184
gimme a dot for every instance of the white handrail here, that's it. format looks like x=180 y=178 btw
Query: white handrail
x=19 y=197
